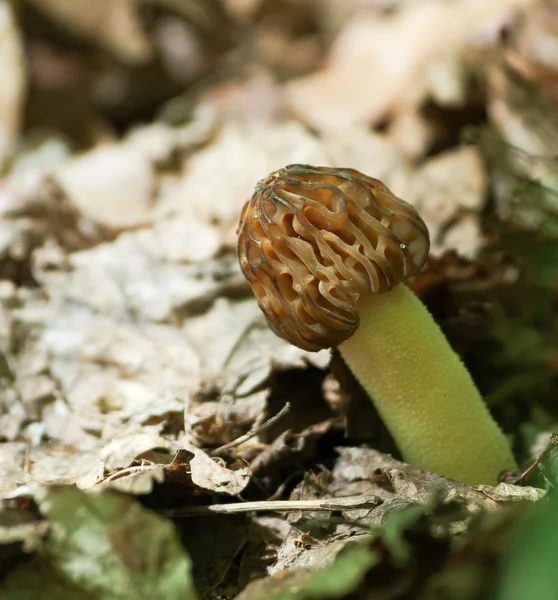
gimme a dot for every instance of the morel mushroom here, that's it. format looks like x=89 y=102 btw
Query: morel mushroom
x=327 y=251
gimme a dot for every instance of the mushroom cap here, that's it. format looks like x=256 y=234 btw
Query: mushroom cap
x=313 y=240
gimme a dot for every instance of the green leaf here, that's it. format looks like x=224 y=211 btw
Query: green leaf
x=102 y=546
x=395 y=525
x=341 y=578
x=529 y=569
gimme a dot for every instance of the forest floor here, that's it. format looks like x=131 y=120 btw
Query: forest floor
x=157 y=440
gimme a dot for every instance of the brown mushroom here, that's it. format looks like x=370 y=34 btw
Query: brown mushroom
x=325 y=250
x=312 y=240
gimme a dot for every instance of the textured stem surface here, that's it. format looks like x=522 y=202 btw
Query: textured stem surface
x=423 y=392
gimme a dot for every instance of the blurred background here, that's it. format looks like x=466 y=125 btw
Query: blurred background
x=146 y=123
x=131 y=134
x=390 y=87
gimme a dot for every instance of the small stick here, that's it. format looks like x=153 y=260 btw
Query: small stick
x=346 y=503
x=253 y=432
x=553 y=441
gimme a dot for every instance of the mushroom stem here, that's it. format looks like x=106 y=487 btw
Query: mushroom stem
x=422 y=390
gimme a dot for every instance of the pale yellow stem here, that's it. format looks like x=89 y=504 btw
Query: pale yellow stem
x=422 y=390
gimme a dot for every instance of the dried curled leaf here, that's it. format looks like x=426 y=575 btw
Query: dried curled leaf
x=312 y=240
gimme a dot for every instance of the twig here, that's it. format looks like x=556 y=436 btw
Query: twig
x=553 y=441
x=347 y=503
x=253 y=432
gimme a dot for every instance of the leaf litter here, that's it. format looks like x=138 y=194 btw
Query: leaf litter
x=156 y=439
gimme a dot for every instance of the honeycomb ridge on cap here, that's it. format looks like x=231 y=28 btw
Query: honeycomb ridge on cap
x=313 y=240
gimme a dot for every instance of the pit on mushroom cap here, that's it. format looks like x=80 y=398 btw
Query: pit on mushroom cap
x=312 y=240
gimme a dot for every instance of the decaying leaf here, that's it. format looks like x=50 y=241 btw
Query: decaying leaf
x=121 y=197
x=449 y=191
x=13 y=81
x=209 y=475
x=113 y=25
x=101 y=546
x=367 y=76
x=340 y=579
x=134 y=362
x=522 y=84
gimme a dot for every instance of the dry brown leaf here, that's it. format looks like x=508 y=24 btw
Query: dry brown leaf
x=415 y=485
x=122 y=451
x=201 y=215
x=22 y=464
x=378 y=65
x=190 y=467
x=112 y=185
x=258 y=99
x=214 y=424
x=62 y=465
x=209 y=474
x=12 y=81
x=396 y=485
x=336 y=14
x=372 y=153
x=522 y=83
x=411 y=132
x=113 y=24
x=236 y=346
x=138 y=481
x=12 y=464
x=450 y=188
